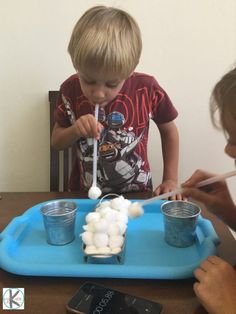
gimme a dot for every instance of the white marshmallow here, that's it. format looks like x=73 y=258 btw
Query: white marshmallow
x=122 y=227
x=104 y=204
x=117 y=202
x=94 y=192
x=122 y=217
x=110 y=215
x=100 y=239
x=135 y=210
x=101 y=226
x=105 y=210
x=113 y=229
x=127 y=203
x=89 y=227
x=87 y=238
x=92 y=217
x=124 y=211
x=116 y=241
x=104 y=250
x=116 y=250
x=90 y=249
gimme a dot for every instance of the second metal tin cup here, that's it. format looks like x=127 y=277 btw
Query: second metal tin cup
x=180 y=220
x=59 y=221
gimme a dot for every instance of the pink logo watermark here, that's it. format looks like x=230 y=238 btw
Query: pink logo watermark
x=13 y=298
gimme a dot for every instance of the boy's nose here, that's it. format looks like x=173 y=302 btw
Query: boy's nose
x=98 y=95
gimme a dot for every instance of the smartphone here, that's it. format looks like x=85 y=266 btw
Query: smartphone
x=96 y=299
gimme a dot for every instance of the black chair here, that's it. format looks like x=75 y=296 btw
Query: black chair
x=60 y=161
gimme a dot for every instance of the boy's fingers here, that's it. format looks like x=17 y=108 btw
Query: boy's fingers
x=199 y=274
x=91 y=126
x=196 y=177
x=215 y=260
x=196 y=287
x=198 y=195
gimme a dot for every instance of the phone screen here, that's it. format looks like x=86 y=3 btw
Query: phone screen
x=96 y=299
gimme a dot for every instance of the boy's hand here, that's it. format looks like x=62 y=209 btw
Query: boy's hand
x=215 y=196
x=87 y=126
x=168 y=186
x=216 y=286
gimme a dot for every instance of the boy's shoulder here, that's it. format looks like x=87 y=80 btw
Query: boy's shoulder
x=142 y=79
x=141 y=75
x=71 y=81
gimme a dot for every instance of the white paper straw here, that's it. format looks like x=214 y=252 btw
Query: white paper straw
x=198 y=185
x=95 y=149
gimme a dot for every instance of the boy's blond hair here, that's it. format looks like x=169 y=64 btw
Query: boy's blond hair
x=223 y=100
x=106 y=39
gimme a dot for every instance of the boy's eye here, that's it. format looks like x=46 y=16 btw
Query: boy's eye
x=111 y=85
x=89 y=82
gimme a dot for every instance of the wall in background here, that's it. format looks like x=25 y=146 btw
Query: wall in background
x=187 y=46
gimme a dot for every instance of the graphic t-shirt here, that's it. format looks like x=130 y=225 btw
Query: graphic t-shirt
x=122 y=149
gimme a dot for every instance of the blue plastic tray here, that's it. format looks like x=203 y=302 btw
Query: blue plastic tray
x=24 y=250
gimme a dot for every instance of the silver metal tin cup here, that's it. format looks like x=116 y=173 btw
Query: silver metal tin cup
x=59 y=221
x=180 y=221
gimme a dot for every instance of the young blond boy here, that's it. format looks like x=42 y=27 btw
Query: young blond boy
x=105 y=48
x=216 y=285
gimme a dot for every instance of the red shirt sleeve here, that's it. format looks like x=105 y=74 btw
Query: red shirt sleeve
x=162 y=107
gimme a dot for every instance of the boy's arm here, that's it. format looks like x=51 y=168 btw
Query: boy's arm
x=170 y=152
x=63 y=138
x=85 y=126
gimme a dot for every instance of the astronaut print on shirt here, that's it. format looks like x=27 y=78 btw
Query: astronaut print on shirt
x=119 y=166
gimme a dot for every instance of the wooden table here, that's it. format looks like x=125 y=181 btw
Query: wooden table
x=50 y=294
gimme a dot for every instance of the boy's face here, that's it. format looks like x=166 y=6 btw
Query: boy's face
x=100 y=88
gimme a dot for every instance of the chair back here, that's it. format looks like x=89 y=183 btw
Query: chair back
x=60 y=161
